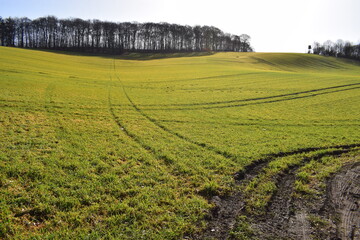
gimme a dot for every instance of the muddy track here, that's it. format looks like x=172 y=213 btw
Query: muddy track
x=285 y=218
x=344 y=196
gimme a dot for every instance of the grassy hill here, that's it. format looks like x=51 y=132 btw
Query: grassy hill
x=127 y=148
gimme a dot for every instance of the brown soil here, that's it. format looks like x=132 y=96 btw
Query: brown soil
x=334 y=215
x=344 y=198
x=222 y=218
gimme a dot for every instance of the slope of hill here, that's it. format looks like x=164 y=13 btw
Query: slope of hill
x=101 y=147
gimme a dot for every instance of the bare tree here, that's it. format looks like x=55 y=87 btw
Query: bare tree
x=338 y=49
x=95 y=35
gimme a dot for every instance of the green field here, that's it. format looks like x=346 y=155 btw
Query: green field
x=132 y=147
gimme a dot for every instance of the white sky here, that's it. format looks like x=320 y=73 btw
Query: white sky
x=274 y=26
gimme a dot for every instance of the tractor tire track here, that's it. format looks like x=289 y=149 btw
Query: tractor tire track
x=155 y=122
x=288 y=218
x=255 y=103
x=260 y=98
x=222 y=218
x=256 y=166
x=134 y=137
x=282 y=221
x=344 y=196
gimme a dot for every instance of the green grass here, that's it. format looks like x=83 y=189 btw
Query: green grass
x=311 y=178
x=100 y=147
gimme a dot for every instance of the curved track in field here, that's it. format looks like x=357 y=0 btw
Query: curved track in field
x=286 y=218
x=319 y=91
x=132 y=136
x=250 y=101
x=222 y=218
x=290 y=218
x=202 y=145
x=273 y=99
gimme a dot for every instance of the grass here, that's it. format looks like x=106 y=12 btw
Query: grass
x=130 y=148
x=311 y=178
x=242 y=230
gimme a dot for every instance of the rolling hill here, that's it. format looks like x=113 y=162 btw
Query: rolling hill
x=128 y=148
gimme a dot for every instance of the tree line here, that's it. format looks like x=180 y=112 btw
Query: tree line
x=104 y=36
x=339 y=48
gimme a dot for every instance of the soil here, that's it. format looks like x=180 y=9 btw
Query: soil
x=222 y=218
x=334 y=215
x=344 y=197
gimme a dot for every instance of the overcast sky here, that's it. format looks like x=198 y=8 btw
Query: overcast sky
x=274 y=25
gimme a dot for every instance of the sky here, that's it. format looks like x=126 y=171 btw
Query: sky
x=273 y=25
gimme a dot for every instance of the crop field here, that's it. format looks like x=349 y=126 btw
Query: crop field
x=174 y=146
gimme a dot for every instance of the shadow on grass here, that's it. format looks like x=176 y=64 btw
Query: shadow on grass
x=151 y=56
x=141 y=56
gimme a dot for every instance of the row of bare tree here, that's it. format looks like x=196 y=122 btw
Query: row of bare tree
x=103 y=36
x=339 y=48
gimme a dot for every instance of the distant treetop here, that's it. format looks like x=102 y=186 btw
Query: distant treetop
x=340 y=48
x=103 y=36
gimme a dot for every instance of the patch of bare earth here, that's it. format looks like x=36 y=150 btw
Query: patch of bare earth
x=333 y=215
x=344 y=199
